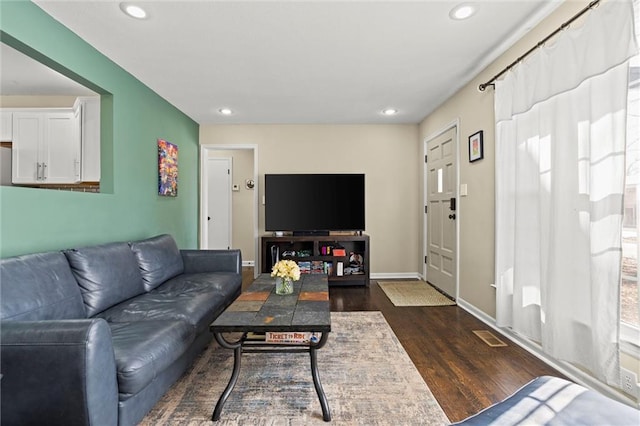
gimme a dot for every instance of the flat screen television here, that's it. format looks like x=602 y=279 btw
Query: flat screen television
x=309 y=204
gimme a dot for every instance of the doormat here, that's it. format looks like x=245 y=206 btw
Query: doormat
x=414 y=293
x=489 y=338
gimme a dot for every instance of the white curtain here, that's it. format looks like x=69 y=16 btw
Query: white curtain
x=560 y=170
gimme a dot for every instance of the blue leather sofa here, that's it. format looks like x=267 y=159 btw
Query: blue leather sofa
x=554 y=401
x=96 y=335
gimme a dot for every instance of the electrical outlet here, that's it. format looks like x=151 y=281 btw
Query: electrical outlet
x=629 y=381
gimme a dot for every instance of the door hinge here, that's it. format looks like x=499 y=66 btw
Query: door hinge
x=425 y=259
x=425 y=209
x=228 y=171
x=425 y=158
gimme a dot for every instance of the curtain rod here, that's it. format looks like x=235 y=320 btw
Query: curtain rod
x=541 y=43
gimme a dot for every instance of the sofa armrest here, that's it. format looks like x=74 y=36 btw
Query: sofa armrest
x=197 y=261
x=58 y=372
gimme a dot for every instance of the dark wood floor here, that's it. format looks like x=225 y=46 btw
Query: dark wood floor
x=464 y=374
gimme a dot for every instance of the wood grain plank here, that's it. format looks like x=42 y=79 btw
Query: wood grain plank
x=464 y=374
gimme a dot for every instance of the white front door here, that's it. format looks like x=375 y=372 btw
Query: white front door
x=218 y=203
x=441 y=211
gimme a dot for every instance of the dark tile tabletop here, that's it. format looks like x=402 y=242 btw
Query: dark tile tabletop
x=260 y=309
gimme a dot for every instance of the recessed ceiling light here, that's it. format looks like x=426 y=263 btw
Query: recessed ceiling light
x=133 y=10
x=389 y=111
x=462 y=11
x=225 y=111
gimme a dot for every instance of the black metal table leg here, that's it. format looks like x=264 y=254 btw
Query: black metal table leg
x=326 y=413
x=237 y=354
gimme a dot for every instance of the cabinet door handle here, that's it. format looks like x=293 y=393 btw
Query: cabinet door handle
x=44 y=171
x=38 y=171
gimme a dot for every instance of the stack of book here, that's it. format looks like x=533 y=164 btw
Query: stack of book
x=305 y=267
x=317 y=267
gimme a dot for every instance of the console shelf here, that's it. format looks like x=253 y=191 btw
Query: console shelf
x=314 y=254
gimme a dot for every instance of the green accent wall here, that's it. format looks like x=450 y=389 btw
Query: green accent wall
x=128 y=208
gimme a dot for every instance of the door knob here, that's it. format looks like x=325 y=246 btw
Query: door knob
x=452 y=216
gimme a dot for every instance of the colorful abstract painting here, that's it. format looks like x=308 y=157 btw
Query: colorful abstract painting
x=167 y=168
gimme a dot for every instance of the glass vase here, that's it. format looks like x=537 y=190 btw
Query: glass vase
x=284 y=285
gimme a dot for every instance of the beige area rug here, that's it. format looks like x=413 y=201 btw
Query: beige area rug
x=367 y=376
x=414 y=293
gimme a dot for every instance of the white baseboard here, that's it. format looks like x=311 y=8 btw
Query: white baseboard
x=563 y=367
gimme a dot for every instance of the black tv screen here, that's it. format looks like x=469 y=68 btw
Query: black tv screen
x=314 y=202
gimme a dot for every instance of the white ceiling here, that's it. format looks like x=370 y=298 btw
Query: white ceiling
x=21 y=75
x=302 y=61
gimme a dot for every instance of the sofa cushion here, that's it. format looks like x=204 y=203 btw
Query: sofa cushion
x=159 y=259
x=144 y=349
x=195 y=298
x=39 y=287
x=107 y=274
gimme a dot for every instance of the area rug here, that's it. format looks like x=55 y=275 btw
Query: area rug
x=367 y=376
x=413 y=293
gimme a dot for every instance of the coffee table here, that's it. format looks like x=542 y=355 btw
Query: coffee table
x=260 y=310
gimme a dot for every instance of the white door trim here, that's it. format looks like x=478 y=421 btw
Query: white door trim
x=455 y=124
x=204 y=154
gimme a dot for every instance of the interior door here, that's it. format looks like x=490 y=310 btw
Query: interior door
x=441 y=212
x=218 y=203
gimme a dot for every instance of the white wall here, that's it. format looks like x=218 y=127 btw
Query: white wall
x=37 y=101
x=388 y=156
x=474 y=110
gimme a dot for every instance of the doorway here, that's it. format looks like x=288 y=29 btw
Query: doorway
x=441 y=210
x=243 y=207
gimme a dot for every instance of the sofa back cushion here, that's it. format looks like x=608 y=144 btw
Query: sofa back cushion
x=37 y=287
x=107 y=274
x=159 y=260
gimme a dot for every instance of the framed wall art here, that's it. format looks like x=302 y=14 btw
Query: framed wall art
x=476 y=149
x=167 y=168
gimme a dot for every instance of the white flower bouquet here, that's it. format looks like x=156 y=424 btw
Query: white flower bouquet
x=285 y=272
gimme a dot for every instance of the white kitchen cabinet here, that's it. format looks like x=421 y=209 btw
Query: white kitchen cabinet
x=89 y=108
x=46 y=147
x=26 y=166
x=6 y=126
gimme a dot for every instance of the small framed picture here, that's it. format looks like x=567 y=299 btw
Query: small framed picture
x=476 y=150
